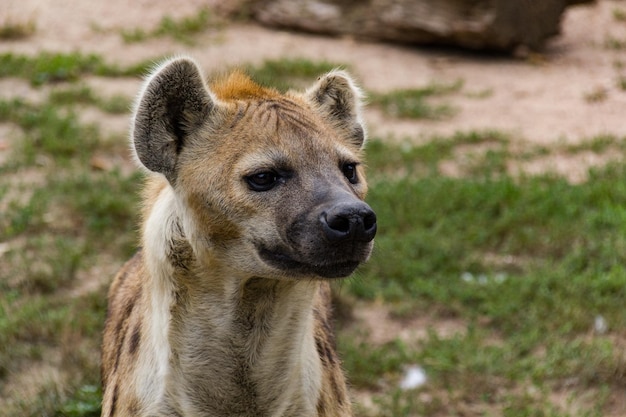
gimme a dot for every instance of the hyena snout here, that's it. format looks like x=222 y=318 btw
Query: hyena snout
x=348 y=221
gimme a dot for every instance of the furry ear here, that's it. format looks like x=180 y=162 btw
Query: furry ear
x=173 y=104
x=339 y=99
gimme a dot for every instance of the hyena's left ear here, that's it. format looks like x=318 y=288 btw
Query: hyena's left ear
x=339 y=99
x=173 y=104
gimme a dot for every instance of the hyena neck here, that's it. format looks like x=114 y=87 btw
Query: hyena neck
x=259 y=345
x=255 y=336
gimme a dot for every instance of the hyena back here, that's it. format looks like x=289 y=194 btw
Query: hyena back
x=253 y=203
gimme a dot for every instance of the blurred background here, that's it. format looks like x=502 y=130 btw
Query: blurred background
x=496 y=167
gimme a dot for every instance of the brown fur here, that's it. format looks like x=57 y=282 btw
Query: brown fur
x=225 y=311
x=238 y=86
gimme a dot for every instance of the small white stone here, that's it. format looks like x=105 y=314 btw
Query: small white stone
x=467 y=277
x=414 y=377
x=500 y=277
x=600 y=325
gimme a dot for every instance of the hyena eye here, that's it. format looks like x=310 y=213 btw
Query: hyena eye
x=262 y=181
x=349 y=170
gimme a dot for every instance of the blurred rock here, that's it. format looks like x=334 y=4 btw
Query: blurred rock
x=474 y=24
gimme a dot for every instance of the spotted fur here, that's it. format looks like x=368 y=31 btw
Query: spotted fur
x=225 y=311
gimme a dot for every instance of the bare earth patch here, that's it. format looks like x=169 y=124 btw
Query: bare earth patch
x=540 y=99
x=381 y=327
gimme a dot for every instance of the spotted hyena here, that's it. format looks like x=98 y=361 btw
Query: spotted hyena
x=252 y=205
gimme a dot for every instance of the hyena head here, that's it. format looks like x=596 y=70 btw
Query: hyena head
x=270 y=183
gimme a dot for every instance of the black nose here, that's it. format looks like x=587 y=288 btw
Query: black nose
x=346 y=221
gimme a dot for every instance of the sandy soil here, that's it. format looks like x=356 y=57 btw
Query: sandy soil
x=569 y=93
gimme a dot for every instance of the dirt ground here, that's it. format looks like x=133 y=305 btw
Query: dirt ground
x=570 y=92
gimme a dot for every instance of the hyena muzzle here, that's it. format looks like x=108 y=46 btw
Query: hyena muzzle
x=252 y=205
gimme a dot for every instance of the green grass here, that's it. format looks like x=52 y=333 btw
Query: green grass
x=48 y=132
x=613 y=43
x=289 y=73
x=81 y=213
x=443 y=227
x=56 y=331
x=181 y=30
x=12 y=29
x=52 y=67
x=85 y=403
x=49 y=67
x=414 y=103
x=528 y=262
x=59 y=218
x=408 y=160
x=619 y=15
x=599 y=144
x=81 y=94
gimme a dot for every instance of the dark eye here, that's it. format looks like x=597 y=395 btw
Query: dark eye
x=262 y=181
x=349 y=170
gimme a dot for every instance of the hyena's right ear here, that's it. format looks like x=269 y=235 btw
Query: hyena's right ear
x=173 y=104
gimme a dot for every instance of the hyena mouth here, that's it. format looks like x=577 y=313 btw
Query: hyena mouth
x=329 y=269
